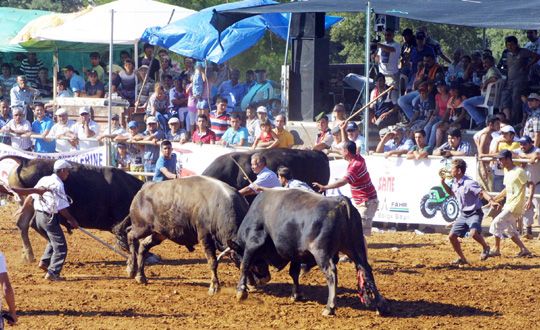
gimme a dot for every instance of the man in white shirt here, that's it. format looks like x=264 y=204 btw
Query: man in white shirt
x=5 y=286
x=86 y=129
x=66 y=139
x=47 y=221
x=265 y=177
x=20 y=128
x=388 y=53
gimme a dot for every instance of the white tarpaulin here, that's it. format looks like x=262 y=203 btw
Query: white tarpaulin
x=131 y=18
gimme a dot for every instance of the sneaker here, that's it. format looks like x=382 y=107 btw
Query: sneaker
x=485 y=254
x=523 y=254
x=53 y=277
x=43 y=266
x=460 y=261
x=344 y=259
x=494 y=254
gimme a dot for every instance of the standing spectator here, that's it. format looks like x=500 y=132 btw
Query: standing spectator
x=22 y=95
x=151 y=151
x=233 y=91
x=454 y=146
x=95 y=65
x=387 y=57
x=176 y=134
x=261 y=93
x=409 y=42
x=143 y=90
x=420 y=51
x=42 y=125
x=178 y=101
x=532 y=125
x=44 y=84
x=338 y=114
x=76 y=82
x=236 y=135
x=385 y=111
x=199 y=87
x=532 y=154
x=66 y=140
x=203 y=134
x=519 y=61
x=62 y=89
x=127 y=81
x=48 y=221
x=433 y=44
x=420 y=149
x=148 y=59
x=86 y=129
x=8 y=293
x=285 y=138
x=158 y=106
x=394 y=142
x=251 y=123
x=7 y=81
x=219 y=119
x=21 y=129
x=363 y=191
x=467 y=192
x=265 y=177
x=166 y=164
x=324 y=137
x=189 y=69
x=441 y=104
x=534 y=46
x=504 y=224
x=267 y=139
x=30 y=67
x=94 y=88
x=5 y=115
x=250 y=80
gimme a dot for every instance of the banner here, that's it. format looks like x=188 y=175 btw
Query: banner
x=409 y=191
x=196 y=158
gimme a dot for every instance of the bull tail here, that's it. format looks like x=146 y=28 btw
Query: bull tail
x=121 y=230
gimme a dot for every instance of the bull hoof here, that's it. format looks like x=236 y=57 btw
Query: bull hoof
x=264 y=280
x=241 y=295
x=141 y=279
x=213 y=290
x=327 y=311
x=130 y=272
x=295 y=297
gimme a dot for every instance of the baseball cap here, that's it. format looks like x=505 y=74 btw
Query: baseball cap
x=525 y=140
x=92 y=72
x=151 y=120
x=320 y=116
x=508 y=129
x=61 y=164
x=262 y=109
x=84 y=110
x=534 y=96
x=505 y=154
x=69 y=68
x=173 y=120
x=133 y=124
x=351 y=126
x=335 y=130
x=61 y=111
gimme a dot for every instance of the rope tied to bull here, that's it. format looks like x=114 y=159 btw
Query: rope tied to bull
x=246 y=176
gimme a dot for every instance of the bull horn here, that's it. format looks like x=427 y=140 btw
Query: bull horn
x=223 y=253
x=18 y=159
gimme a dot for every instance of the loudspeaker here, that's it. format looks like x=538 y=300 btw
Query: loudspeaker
x=382 y=22
x=307 y=25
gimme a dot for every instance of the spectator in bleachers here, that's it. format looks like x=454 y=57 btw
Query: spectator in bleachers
x=115 y=78
x=384 y=112
x=151 y=151
x=62 y=89
x=420 y=149
x=534 y=46
x=22 y=95
x=95 y=65
x=167 y=82
x=143 y=90
x=394 y=141
x=203 y=134
x=20 y=128
x=424 y=108
x=532 y=125
x=132 y=135
x=324 y=137
x=261 y=92
x=124 y=55
x=338 y=114
x=483 y=137
x=492 y=75
x=454 y=118
x=441 y=103
x=44 y=84
x=116 y=129
x=166 y=70
x=94 y=88
x=433 y=44
x=419 y=52
x=387 y=57
x=474 y=73
x=199 y=83
x=158 y=106
x=126 y=89
x=148 y=59
x=286 y=139
x=236 y=135
x=66 y=140
x=76 y=82
x=267 y=139
x=203 y=108
x=42 y=125
x=233 y=90
x=30 y=67
x=7 y=80
x=352 y=133
x=178 y=101
x=5 y=114
x=519 y=60
x=455 y=69
x=251 y=123
x=189 y=68
x=262 y=116
x=121 y=160
x=86 y=130
x=409 y=42
x=176 y=134
x=455 y=146
x=219 y=119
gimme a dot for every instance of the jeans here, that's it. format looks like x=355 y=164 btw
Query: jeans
x=407 y=102
x=56 y=251
x=433 y=134
x=429 y=126
x=470 y=106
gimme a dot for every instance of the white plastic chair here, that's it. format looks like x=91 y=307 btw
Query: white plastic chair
x=492 y=97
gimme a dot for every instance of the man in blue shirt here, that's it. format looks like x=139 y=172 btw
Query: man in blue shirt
x=233 y=91
x=42 y=125
x=166 y=163
x=151 y=151
x=265 y=177
x=76 y=82
x=235 y=135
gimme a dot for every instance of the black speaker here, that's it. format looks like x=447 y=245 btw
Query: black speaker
x=383 y=22
x=307 y=25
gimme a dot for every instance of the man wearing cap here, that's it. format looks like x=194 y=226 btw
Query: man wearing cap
x=394 y=142
x=94 y=88
x=20 y=128
x=532 y=154
x=176 y=134
x=151 y=151
x=133 y=135
x=48 y=222
x=42 y=126
x=388 y=57
x=86 y=129
x=219 y=119
x=286 y=139
x=262 y=117
x=504 y=224
x=76 y=82
x=66 y=140
x=532 y=125
x=324 y=137
x=455 y=146
x=351 y=132
x=261 y=92
x=418 y=52
x=384 y=112
x=116 y=129
x=166 y=165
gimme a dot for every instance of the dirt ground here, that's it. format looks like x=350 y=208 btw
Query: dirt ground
x=412 y=272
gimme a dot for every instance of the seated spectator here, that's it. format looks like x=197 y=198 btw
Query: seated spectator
x=203 y=134
x=5 y=114
x=352 y=133
x=419 y=52
x=261 y=93
x=338 y=114
x=485 y=136
x=144 y=88
x=455 y=70
x=115 y=78
x=285 y=138
x=43 y=83
x=62 y=89
x=441 y=104
x=133 y=135
x=20 y=129
x=324 y=137
x=86 y=130
x=8 y=294
x=116 y=129
x=219 y=119
x=235 y=136
x=285 y=177
x=7 y=81
x=337 y=143
x=470 y=105
x=30 y=67
x=474 y=71
x=454 y=118
x=166 y=164
x=158 y=106
x=532 y=125
x=167 y=82
x=251 y=123
x=66 y=140
x=76 y=82
x=384 y=112
x=126 y=89
x=94 y=87
x=423 y=109
x=267 y=139
x=151 y=151
x=178 y=101
x=42 y=125
x=420 y=149
x=394 y=142
x=176 y=134
x=122 y=160
x=95 y=65
x=454 y=146
x=233 y=91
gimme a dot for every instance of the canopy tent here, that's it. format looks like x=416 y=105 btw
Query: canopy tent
x=13 y=20
x=193 y=36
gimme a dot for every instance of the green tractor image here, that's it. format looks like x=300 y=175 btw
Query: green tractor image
x=438 y=200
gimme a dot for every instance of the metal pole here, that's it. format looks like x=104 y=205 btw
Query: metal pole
x=108 y=144
x=55 y=75
x=136 y=65
x=102 y=242
x=366 y=73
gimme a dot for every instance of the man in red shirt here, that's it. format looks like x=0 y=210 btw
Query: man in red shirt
x=203 y=134
x=363 y=192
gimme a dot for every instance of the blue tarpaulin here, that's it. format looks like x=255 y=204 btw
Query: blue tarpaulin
x=195 y=37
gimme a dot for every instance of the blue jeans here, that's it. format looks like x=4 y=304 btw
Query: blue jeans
x=407 y=102
x=470 y=106
x=433 y=134
x=429 y=126
x=56 y=251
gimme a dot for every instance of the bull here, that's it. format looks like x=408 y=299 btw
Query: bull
x=101 y=196
x=293 y=226
x=186 y=211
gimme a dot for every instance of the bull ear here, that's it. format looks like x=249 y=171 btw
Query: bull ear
x=233 y=245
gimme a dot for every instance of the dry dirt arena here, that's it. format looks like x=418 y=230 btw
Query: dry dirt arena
x=412 y=272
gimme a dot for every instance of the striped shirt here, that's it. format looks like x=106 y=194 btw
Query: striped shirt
x=358 y=178
x=219 y=124
x=31 y=70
